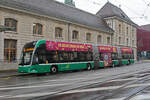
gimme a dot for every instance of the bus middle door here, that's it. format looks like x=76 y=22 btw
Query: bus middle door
x=107 y=59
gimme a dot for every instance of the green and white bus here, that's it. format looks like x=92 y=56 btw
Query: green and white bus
x=49 y=56
x=127 y=56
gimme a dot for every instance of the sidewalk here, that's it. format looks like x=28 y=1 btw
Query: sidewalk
x=7 y=70
x=7 y=73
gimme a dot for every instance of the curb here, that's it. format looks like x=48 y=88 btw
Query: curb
x=8 y=70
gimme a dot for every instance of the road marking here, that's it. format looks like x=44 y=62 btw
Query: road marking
x=45 y=85
x=28 y=95
x=138 y=85
x=127 y=79
x=141 y=97
x=4 y=96
x=79 y=79
x=91 y=90
x=6 y=78
x=26 y=87
x=122 y=98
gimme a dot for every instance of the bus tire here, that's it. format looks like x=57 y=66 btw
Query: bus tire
x=89 y=67
x=54 y=69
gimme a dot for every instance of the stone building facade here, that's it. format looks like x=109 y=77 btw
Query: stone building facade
x=124 y=29
x=52 y=20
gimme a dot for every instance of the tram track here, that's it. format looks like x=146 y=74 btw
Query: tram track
x=95 y=79
x=107 y=80
x=125 y=86
x=85 y=79
x=134 y=94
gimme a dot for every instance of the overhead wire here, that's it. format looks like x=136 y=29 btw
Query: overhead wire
x=141 y=16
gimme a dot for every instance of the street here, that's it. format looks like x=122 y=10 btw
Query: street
x=119 y=83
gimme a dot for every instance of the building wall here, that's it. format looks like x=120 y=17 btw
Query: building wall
x=131 y=36
x=24 y=32
x=143 y=40
x=1 y=46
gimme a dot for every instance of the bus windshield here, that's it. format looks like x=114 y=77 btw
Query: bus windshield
x=27 y=58
x=27 y=54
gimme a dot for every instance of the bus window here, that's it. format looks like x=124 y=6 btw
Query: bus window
x=114 y=56
x=64 y=56
x=27 y=57
x=41 y=53
x=27 y=53
x=126 y=56
x=71 y=56
x=101 y=56
x=42 y=56
x=52 y=56
x=89 y=56
x=81 y=56
x=75 y=55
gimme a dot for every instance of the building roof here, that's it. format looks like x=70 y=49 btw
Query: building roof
x=145 y=27
x=110 y=10
x=59 y=10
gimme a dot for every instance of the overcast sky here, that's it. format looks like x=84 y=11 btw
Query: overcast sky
x=137 y=10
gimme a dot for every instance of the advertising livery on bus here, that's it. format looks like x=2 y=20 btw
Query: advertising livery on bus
x=50 y=56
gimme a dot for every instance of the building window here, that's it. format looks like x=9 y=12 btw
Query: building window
x=127 y=42
x=108 y=40
x=119 y=28
x=99 y=39
x=127 y=29
x=88 y=36
x=10 y=50
x=10 y=22
x=58 y=32
x=132 y=32
x=37 y=28
x=119 y=40
x=109 y=24
x=75 y=35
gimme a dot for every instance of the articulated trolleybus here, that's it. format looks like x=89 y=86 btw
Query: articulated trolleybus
x=49 y=56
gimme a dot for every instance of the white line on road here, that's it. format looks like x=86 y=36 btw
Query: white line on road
x=26 y=87
x=127 y=79
x=138 y=85
x=141 y=97
x=122 y=98
x=92 y=89
x=28 y=95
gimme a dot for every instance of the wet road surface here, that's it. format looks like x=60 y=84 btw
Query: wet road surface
x=119 y=83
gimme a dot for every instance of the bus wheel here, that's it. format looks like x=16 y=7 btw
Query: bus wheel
x=54 y=69
x=89 y=67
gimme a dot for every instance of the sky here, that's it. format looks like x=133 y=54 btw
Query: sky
x=137 y=10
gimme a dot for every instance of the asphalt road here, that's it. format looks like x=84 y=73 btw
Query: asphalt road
x=119 y=83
